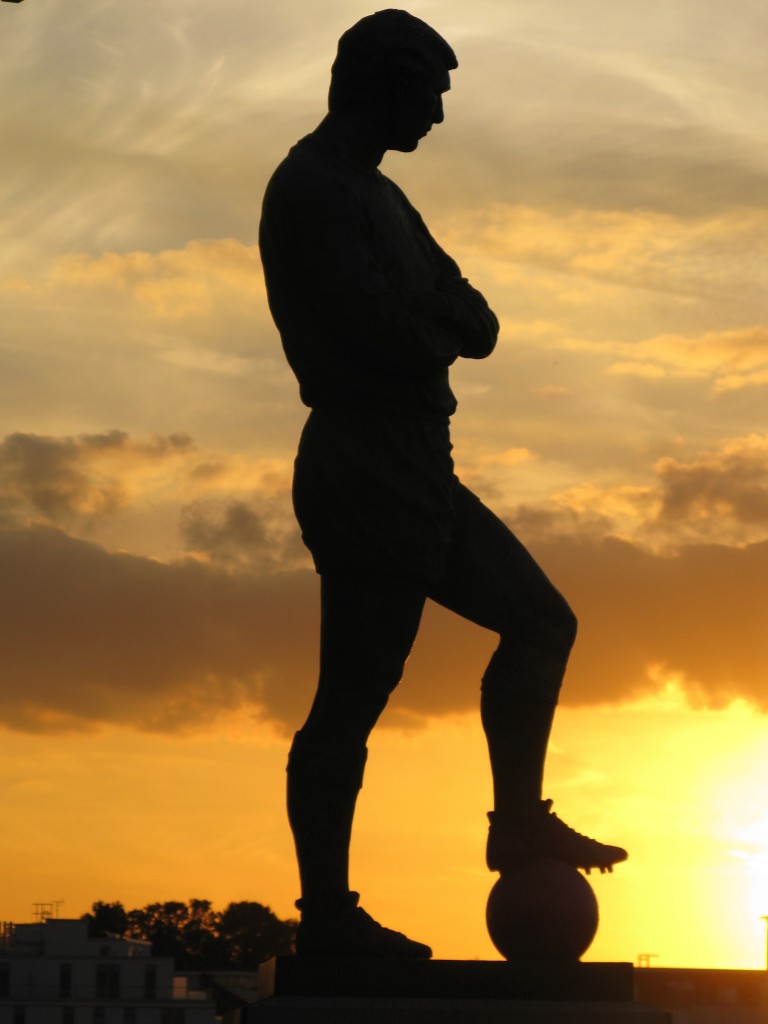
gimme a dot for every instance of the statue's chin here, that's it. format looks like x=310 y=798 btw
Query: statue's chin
x=406 y=146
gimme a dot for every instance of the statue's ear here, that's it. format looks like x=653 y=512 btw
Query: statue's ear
x=401 y=76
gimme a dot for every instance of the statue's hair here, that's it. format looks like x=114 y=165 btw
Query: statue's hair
x=380 y=45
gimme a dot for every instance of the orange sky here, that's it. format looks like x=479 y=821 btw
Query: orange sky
x=601 y=178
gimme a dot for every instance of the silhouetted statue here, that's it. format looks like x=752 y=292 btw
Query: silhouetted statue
x=372 y=313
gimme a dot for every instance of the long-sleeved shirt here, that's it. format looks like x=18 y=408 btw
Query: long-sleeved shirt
x=371 y=311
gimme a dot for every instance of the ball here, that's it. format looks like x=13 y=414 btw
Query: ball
x=542 y=910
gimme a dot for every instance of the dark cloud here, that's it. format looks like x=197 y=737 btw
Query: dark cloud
x=238 y=527
x=540 y=524
x=236 y=536
x=731 y=483
x=54 y=477
x=44 y=472
x=91 y=637
x=699 y=614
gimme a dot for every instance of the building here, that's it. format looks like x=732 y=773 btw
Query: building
x=53 y=972
x=705 y=996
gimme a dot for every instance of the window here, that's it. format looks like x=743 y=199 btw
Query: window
x=108 y=981
x=5 y=981
x=172 y=1015
x=19 y=1015
x=67 y=1015
x=150 y=981
x=65 y=981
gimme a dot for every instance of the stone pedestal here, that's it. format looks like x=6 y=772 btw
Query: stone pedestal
x=297 y=990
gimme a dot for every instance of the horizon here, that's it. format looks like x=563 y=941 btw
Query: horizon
x=45 y=911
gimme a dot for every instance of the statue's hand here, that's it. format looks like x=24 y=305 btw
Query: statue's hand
x=473 y=319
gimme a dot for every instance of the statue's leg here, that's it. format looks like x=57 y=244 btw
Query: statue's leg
x=323 y=783
x=494 y=581
x=368 y=626
x=518 y=699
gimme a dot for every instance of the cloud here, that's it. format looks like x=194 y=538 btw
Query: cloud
x=234 y=535
x=697 y=613
x=730 y=483
x=717 y=495
x=157 y=121
x=58 y=478
x=602 y=109
x=92 y=637
x=210 y=292
x=203 y=277
x=177 y=339
x=697 y=616
x=157 y=495
x=634 y=309
x=730 y=359
x=142 y=126
x=717 y=256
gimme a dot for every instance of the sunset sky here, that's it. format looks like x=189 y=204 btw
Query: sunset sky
x=602 y=177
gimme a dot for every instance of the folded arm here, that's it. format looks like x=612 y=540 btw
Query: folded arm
x=335 y=268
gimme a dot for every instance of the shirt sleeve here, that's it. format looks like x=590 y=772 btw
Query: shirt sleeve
x=459 y=304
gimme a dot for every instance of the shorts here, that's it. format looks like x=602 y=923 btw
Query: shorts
x=374 y=493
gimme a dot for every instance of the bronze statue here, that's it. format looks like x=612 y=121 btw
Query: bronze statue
x=372 y=313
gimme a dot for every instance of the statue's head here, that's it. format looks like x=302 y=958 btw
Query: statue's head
x=392 y=68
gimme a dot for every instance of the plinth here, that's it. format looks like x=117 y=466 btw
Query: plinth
x=326 y=990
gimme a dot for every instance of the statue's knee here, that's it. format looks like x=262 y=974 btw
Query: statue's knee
x=532 y=655
x=568 y=625
x=552 y=624
x=383 y=678
x=551 y=630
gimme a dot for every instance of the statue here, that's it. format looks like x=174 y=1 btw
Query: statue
x=372 y=313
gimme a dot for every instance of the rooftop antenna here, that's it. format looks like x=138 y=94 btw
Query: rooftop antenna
x=644 y=959
x=44 y=911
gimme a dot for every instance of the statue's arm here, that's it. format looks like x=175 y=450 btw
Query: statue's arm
x=456 y=302
x=332 y=267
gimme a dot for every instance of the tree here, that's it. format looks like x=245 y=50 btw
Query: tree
x=197 y=937
x=163 y=925
x=106 y=919
x=253 y=934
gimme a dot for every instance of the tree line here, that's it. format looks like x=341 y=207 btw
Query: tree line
x=199 y=938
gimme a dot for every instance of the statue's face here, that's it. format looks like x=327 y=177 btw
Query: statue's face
x=410 y=116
